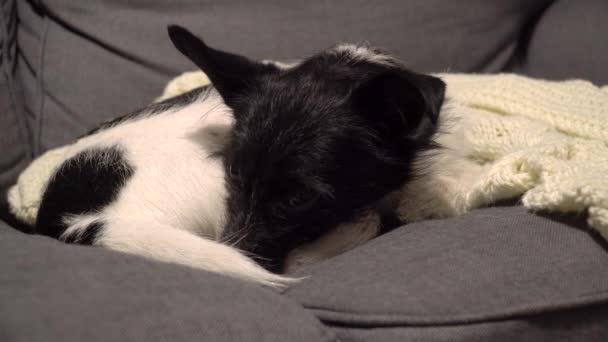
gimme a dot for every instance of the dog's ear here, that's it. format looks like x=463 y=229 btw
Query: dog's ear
x=229 y=73
x=401 y=103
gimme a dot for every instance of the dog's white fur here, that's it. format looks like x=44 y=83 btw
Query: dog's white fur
x=282 y=65
x=351 y=51
x=362 y=52
x=180 y=220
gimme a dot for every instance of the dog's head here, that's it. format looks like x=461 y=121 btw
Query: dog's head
x=316 y=143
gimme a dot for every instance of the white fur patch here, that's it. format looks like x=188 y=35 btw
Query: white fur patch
x=282 y=65
x=172 y=208
x=359 y=52
x=431 y=195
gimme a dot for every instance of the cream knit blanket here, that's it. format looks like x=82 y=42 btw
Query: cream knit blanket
x=543 y=141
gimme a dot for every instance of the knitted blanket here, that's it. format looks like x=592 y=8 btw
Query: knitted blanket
x=512 y=137
x=544 y=142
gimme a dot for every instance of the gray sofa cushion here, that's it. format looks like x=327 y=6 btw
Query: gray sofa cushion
x=14 y=140
x=99 y=59
x=50 y=291
x=493 y=265
x=570 y=42
x=584 y=324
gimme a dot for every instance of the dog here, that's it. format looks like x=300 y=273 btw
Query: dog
x=233 y=177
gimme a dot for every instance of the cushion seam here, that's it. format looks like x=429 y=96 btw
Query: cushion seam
x=38 y=126
x=337 y=317
x=11 y=84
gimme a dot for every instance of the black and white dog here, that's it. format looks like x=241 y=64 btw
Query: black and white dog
x=271 y=158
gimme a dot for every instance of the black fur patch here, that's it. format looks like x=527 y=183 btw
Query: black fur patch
x=389 y=222
x=318 y=145
x=87 y=235
x=315 y=145
x=84 y=183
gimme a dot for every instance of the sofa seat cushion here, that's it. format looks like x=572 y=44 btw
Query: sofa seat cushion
x=50 y=291
x=495 y=264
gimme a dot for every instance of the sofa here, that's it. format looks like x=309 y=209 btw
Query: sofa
x=495 y=274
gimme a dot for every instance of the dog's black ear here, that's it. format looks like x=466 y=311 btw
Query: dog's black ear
x=402 y=104
x=229 y=73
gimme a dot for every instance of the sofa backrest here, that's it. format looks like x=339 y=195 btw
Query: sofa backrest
x=83 y=62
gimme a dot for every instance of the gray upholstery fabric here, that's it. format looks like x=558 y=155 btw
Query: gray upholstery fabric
x=570 y=42
x=84 y=62
x=494 y=264
x=50 y=291
x=14 y=142
x=100 y=59
x=584 y=324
